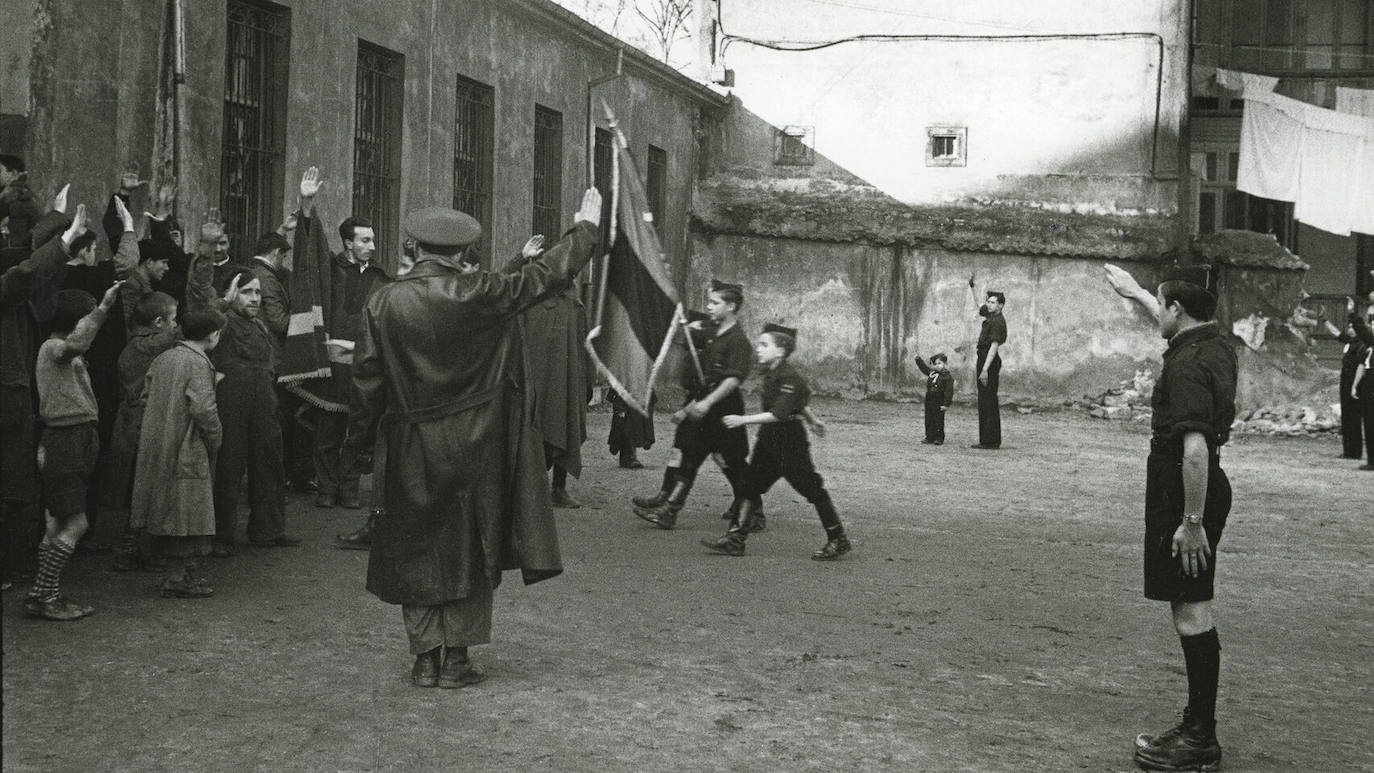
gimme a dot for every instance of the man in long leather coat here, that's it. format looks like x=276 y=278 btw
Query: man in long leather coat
x=438 y=374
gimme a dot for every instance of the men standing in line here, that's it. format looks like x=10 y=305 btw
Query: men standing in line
x=437 y=373
x=989 y=368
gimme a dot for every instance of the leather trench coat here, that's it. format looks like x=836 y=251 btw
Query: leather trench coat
x=439 y=389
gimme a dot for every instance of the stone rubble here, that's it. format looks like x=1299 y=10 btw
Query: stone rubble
x=1130 y=401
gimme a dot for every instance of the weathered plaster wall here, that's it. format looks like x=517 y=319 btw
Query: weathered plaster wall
x=864 y=313
x=1085 y=124
x=94 y=112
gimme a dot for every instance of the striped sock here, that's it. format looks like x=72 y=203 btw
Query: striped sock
x=52 y=558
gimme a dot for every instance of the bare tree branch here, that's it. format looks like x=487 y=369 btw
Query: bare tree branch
x=667 y=21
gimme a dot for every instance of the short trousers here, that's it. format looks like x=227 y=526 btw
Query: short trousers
x=67 y=459
x=1165 y=579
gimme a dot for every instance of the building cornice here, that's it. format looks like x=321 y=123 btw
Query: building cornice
x=561 y=20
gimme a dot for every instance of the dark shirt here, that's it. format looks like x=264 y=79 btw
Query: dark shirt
x=939 y=384
x=785 y=392
x=726 y=355
x=350 y=287
x=994 y=330
x=245 y=347
x=1196 y=391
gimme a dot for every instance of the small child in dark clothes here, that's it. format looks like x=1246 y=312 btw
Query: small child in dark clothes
x=939 y=394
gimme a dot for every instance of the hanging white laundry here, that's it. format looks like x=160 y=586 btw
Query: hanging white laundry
x=1362 y=210
x=1270 y=150
x=1327 y=180
x=1355 y=101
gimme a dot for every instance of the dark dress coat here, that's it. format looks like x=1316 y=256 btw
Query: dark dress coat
x=437 y=374
x=554 y=330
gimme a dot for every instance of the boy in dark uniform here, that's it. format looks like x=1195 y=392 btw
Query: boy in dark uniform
x=700 y=433
x=782 y=450
x=939 y=394
x=989 y=369
x=1187 y=499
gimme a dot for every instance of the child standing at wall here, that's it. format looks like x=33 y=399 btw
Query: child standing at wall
x=70 y=442
x=781 y=450
x=181 y=433
x=939 y=394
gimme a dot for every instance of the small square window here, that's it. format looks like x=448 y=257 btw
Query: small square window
x=946 y=146
x=794 y=146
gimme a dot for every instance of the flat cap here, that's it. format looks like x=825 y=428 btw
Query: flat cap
x=790 y=332
x=442 y=227
x=717 y=286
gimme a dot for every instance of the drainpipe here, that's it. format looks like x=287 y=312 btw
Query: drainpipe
x=179 y=105
x=585 y=291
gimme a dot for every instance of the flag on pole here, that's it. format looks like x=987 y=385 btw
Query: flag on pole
x=638 y=304
x=304 y=366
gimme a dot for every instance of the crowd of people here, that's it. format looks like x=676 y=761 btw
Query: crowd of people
x=140 y=391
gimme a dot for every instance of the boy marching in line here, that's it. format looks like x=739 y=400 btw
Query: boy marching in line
x=939 y=394
x=700 y=433
x=782 y=450
x=70 y=441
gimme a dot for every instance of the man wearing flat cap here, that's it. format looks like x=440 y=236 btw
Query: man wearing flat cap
x=1187 y=499
x=439 y=389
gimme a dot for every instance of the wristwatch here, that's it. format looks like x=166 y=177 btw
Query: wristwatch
x=1195 y=520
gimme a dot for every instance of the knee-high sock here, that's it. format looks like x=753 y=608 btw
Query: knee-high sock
x=1202 y=655
x=52 y=559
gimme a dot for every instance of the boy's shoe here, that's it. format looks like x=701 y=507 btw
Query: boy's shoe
x=938 y=442
x=664 y=516
x=832 y=550
x=731 y=544
x=222 y=550
x=758 y=523
x=653 y=501
x=187 y=588
x=561 y=498
x=927 y=441
x=1183 y=747
x=60 y=608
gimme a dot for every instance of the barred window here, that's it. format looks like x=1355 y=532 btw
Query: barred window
x=378 y=110
x=258 y=38
x=656 y=184
x=548 y=172
x=473 y=150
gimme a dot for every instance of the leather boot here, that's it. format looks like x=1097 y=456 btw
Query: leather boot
x=458 y=670
x=425 y=672
x=664 y=516
x=652 y=501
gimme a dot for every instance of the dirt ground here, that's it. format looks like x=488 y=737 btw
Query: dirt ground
x=989 y=618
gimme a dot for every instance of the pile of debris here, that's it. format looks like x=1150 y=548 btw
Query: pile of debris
x=1290 y=420
x=1129 y=401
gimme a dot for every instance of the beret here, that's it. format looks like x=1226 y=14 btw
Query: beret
x=790 y=332
x=442 y=227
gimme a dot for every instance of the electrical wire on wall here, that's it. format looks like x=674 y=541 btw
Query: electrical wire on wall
x=803 y=46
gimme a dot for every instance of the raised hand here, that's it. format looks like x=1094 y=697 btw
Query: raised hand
x=128 y=181
x=211 y=230
x=1121 y=281
x=311 y=183
x=533 y=247
x=166 y=198
x=111 y=294
x=59 y=202
x=79 y=220
x=590 y=211
x=125 y=216
x=232 y=291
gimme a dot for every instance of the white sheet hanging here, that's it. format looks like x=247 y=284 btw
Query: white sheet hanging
x=1270 y=152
